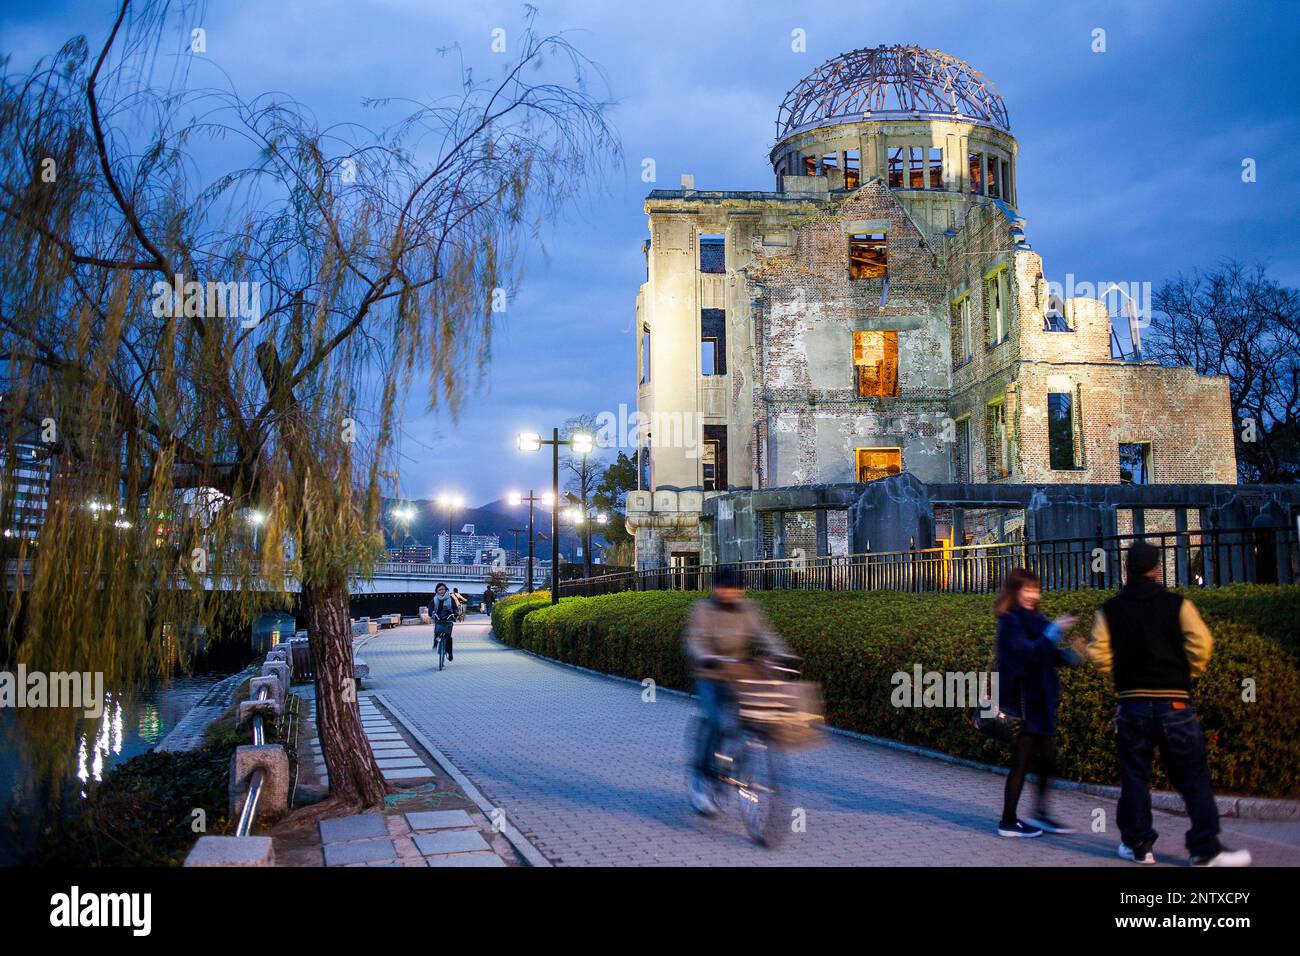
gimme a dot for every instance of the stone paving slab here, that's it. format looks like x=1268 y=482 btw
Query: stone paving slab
x=438 y=819
x=412 y=773
x=591 y=774
x=396 y=763
x=467 y=859
x=449 y=841
x=363 y=851
x=353 y=828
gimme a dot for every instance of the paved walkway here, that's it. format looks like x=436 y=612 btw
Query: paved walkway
x=592 y=775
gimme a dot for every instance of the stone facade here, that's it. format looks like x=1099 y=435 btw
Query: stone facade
x=873 y=316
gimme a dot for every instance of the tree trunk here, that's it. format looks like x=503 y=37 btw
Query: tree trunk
x=355 y=777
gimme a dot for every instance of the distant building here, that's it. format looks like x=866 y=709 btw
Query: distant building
x=411 y=554
x=25 y=503
x=466 y=547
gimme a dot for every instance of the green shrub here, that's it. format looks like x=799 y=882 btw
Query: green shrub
x=853 y=644
x=508 y=613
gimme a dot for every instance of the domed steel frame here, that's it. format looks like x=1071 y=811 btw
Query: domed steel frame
x=891 y=81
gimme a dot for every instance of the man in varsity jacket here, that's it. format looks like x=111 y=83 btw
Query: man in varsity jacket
x=1154 y=644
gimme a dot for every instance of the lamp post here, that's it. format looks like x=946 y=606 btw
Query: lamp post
x=579 y=443
x=584 y=521
x=451 y=502
x=532 y=499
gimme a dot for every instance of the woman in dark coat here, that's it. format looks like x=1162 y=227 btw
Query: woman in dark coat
x=1028 y=653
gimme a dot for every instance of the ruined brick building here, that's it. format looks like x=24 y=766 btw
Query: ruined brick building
x=881 y=313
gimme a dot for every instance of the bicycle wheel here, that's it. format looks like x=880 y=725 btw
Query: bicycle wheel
x=760 y=773
x=442 y=651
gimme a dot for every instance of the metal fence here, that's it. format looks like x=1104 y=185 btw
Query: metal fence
x=1190 y=559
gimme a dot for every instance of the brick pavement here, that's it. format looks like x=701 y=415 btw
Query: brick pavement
x=592 y=775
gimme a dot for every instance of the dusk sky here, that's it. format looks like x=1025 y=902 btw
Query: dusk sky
x=1130 y=165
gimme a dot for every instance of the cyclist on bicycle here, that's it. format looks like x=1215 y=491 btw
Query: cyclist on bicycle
x=721 y=627
x=461 y=602
x=443 y=613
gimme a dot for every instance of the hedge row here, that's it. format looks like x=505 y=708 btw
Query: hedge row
x=853 y=644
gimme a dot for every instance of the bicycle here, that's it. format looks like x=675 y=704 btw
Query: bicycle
x=773 y=712
x=441 y=631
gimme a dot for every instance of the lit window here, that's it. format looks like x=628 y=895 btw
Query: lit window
x=875 y=364
x=874 y=463
x=852 y=169
x=868 y=256
x=810 y=165
x=995 y=177
x=976 y=172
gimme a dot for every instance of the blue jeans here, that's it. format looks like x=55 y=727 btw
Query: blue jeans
x=1141 y=726
x=718 y=709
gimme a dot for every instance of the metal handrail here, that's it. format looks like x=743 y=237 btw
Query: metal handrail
x=248 y=816
x=1206 y=558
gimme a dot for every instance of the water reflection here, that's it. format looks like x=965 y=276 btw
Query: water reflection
x=127 y=728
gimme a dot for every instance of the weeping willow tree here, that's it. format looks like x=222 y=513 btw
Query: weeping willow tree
x=211 y=309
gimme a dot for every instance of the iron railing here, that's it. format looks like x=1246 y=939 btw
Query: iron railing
x=1206 y=558
x=476 y=572
x=248 y=816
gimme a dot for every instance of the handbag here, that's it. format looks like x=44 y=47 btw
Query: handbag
x=1000 y=726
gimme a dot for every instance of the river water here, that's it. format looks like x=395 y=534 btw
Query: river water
x=124 y=731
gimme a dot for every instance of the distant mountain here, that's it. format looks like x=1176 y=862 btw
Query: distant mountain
x=496 y=517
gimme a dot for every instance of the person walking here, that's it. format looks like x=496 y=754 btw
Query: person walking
x=1029 y=652
x=1154 y=645
x=489 y=598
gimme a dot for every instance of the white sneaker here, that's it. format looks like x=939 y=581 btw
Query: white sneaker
x=702 y=800
x=1126 y=852
x=1224 y=858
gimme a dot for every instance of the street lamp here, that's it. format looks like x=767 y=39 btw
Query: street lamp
x=451 y=502
x=256 y=519
x=579 y=443
x=583 y=521
x=531 y=498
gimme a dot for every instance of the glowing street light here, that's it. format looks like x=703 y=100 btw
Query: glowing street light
x=452 y=502
x=580 y=443
x=517 y=499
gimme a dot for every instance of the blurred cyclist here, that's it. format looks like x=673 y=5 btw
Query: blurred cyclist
x=721 y=627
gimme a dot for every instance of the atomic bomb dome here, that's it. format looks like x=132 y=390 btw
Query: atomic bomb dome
x=899 y=82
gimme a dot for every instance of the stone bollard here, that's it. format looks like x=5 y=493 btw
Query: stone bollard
x=275 y=785
x=278 y=670
x=274 y=689
x=267 y=708
x=231 y=851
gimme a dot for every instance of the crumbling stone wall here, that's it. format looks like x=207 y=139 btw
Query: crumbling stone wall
x=806 y=309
